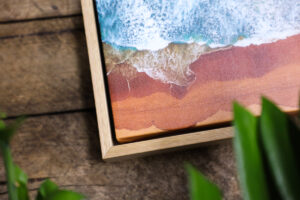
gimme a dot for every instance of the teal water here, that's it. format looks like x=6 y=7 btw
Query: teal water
x=153 y=24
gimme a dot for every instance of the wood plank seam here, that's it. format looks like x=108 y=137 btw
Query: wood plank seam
x=39 y=19
x=15 y=10
x=41 y=33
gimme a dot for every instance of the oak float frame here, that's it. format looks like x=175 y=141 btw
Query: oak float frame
x=111 y=150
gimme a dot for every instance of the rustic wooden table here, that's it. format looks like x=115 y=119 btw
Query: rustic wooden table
x=44 y=74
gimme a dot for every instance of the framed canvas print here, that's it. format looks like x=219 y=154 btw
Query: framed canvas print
x=165 y=73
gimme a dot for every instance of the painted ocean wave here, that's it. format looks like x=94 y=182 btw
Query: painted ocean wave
x=163 y=37
x=153 y=24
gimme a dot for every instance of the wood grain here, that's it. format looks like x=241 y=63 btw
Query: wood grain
x=40 y=27
x=44 y=67
x=186 y=140
x=65 y=148
x=98 y=76
x=31 y=9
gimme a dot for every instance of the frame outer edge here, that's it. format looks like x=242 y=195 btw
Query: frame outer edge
x=168 y=144
x=111 y=152
x=97 y=76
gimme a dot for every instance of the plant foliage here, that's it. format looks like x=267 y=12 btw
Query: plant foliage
x=17 y=179
x=200 y=187
x=266 y=150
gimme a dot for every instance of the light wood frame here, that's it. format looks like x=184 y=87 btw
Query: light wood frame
x=110 y=149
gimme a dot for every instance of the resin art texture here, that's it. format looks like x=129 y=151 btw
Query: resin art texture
x=174 y=65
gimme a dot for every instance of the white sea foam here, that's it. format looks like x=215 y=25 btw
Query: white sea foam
x=262 y=39
x=153 y=24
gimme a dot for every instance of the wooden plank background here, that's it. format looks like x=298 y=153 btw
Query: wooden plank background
x=45 y=75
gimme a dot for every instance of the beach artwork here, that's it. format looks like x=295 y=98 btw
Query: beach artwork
x=174 y=65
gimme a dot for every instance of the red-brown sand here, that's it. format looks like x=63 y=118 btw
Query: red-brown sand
x=150 y=107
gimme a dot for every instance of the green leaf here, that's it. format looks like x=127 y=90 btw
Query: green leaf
x=248 y=155
x=46 y=189
x=20 y=176
x=200 y=188
x=64 y=195
x=279 y=151
x=9 y=170
x=2 y=126
x=2 y=115
x=294 y=131
x=8 y=131
x=21 y=183
x=50 y=191
x=16 y=178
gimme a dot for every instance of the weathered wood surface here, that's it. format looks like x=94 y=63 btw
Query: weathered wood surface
x=41 y=27
x=44 y=69
x=65 y=148
x=12 y=10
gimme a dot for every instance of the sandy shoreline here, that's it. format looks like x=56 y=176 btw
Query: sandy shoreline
x=142 y=105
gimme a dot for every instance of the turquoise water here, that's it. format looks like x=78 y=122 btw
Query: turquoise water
x=153 y=24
